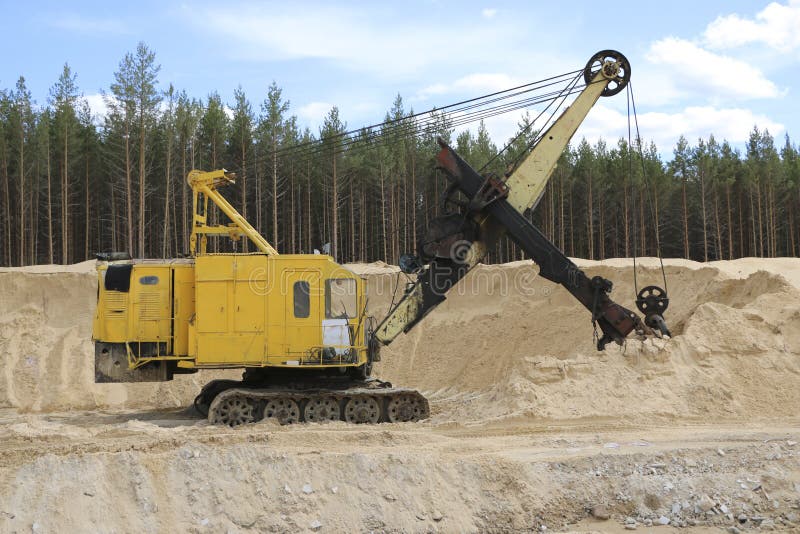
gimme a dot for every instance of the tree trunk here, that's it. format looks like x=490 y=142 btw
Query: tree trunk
x=589 y=219
x=7 y=213
x=243 y=178
x=113 y=217
x=383 y=218
x=129 y=189
x=571 y=229
x=164 y=243
x=335 y=211
x=49 y=210
x=175 y=229
x=741 y=226
x=65 y=199
x=753 y=220
x=413 y=198
x=685 y=221
x=730 y=223
x=404 y=203
x=141 y=185
x=703 y=209
x=362 y=242
x=642 y=226
x=292 y=211
x=308 y=205
x=773 y=223
x=87 y=209
x=352 y=223
x=625 y=219
x=561 y=210
x=21 y=196
x=184 y=203
x=274 y=192
x=601 y=241
x=790 y=210
x=34 y=203
x=717 y=225
x=259 y=196
x=760 y=222
x=657 y=223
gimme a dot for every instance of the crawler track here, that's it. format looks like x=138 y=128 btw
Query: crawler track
x=241 y=405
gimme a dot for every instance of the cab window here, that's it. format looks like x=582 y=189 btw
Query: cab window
x=302 y=302
x=340 y=298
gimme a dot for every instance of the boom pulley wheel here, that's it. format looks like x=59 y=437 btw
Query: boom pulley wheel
x=615 y=68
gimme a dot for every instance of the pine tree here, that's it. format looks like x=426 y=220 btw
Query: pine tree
x=5 y=107
x=241 y=141
x=680 y=169
x=331 y=135
x=21 y=123
x=63 y=97
x=147 y=100
x=187 y=118
x=272 y=132
x=211 y=138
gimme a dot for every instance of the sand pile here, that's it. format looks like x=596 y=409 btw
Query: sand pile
x=505 y=344
x=510 y=344
x=46 y=350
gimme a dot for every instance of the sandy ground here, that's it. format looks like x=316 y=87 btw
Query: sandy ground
x=531 y=428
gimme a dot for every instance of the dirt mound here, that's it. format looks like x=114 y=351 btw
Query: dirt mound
x=510 y=344
x=46 y=349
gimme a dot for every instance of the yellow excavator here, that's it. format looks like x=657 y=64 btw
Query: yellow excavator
x=298 y=323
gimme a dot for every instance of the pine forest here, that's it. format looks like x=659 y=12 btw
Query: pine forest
x=73 y=184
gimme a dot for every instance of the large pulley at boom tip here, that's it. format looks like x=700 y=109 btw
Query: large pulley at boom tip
x=615 y=68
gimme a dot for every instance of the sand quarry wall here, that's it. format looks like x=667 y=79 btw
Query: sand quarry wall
x=46 y=352
x=507 y=344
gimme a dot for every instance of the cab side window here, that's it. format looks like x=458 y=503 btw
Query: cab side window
x=340 y=298
x=302 y=301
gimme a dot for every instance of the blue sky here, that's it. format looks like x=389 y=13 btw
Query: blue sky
x=698 y=67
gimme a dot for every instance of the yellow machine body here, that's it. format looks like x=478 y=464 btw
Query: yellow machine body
x=156 y=318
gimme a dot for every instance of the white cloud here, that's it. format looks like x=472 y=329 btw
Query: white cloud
x=89 y=25
x=697 y=70
x=314 y=113
x=488 y=12
x=777 y=26
x=694 y=122
x=97 y=104
x=355 y=39
x=730 y=124
x=472 y=84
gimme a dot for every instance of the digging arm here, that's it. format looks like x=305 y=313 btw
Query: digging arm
x=495 y=208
